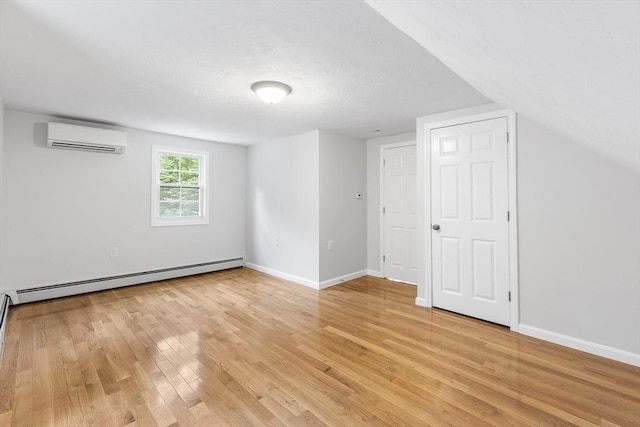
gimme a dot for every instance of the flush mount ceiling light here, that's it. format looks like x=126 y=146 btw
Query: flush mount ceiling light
x=271 y=92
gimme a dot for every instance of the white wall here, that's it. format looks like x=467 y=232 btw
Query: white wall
x=342 y=216
x=579 y=216
x=283 y=205
x=373 y=197
x=1 y=195
x=64 y=210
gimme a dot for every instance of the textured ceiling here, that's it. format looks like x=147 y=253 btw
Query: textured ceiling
x=573 y=66
x=186 y=67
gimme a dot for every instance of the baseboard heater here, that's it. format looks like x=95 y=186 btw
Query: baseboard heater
x=4 y=312
x=103 y=283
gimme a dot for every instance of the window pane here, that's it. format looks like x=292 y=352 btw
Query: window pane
x=169 y=162
x=169 y=177
x=190 y=164
x=191 y=194
x=168 y=194
x=179 y=194
x=169 y=209
x=190 y=209
x=190 y=178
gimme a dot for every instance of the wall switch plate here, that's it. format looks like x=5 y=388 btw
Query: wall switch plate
x=114 y=252
x=277 y=241
x=330 y=245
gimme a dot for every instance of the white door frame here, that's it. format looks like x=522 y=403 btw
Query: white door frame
x=425 y=133
x=382 y=148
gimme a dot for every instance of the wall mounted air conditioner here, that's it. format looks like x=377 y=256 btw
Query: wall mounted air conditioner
x=84 y=138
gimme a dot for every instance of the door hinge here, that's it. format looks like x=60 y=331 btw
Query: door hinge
x=384 y=210
x=508 y=216
x=384 y=258
x=507 y=136
x=509 y=295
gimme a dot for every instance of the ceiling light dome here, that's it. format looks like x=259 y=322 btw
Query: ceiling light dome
x=271 y=92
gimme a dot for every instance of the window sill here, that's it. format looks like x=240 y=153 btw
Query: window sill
x=175 y=222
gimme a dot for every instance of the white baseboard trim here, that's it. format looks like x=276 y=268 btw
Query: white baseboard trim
x=402 y=282
x=306 y=282
x=582 y=345
x=76 y=288
x=341 y=279
x=422 y=302
x=285 y=276
x=375 y=273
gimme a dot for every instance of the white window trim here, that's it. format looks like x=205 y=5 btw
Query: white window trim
x=156 y=221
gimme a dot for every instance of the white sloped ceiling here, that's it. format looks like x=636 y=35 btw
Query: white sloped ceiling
x=571 y=65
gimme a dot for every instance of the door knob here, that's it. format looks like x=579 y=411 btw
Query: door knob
x=435 y=227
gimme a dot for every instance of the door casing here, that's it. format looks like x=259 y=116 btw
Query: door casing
x=424 y=271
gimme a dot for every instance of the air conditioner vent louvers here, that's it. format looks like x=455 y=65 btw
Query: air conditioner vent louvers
x=72 y=137
x=73 y=146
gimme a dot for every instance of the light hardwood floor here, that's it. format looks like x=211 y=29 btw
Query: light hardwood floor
x=242 y=348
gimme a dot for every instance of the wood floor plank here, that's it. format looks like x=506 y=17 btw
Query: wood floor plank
x=5 y=418
x=23 y=407
x=240 y=348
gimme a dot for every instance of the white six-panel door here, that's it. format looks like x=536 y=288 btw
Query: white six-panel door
x=470 y=233
x=400 y=214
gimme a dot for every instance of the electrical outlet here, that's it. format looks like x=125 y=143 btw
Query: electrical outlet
x=330 y=245
x=277 y=241
x=114 y=252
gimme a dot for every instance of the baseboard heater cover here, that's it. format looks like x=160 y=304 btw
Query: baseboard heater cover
x=4 y=308
x=92 y=285
x=4 y=313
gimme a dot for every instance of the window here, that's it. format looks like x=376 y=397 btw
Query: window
x=179 y=187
